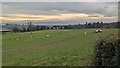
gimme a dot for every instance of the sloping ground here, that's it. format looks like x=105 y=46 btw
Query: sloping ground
x=61 y=47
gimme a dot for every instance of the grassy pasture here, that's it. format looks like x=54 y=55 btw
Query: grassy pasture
x=62 y=47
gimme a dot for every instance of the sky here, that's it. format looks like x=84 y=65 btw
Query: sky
x=59 y=12
x=59 y=0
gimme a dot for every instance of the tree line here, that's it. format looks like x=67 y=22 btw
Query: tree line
x=31 y=27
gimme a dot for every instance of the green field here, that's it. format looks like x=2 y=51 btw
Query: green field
x=62 y=47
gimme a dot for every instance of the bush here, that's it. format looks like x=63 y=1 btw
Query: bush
x=107 y=51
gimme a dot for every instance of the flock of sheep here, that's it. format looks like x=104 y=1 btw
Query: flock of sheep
x=94 y=31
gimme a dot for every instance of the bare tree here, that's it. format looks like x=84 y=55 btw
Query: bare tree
x=31 y=27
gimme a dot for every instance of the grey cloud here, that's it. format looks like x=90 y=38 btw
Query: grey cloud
x=61 y=7
x=108 y=9
x=60 y=0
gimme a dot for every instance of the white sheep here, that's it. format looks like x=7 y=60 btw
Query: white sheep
x=47 y=35
x=31 y=36
x=97 y=31
x=85 y=33
x=17 y=38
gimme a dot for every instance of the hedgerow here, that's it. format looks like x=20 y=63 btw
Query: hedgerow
x=107 y=51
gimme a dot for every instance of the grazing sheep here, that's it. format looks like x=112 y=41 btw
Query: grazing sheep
x=31 y=36
x=97 y=31
x=17 y=38
x=85 y=33
x=47 y=35
x=100 y=30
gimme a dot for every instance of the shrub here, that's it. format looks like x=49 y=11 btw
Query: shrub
x=107 y=51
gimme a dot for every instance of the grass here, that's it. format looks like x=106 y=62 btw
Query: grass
x=62 y=47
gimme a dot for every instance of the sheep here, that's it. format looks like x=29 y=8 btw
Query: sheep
x=85 y=33
x=17 y=38
x=47 y=35
x=31 y=36
x=97 y=31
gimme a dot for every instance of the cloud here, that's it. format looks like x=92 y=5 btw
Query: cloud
x=60 y=17
x=53 y=11
x=60 y=0
x=68 y=7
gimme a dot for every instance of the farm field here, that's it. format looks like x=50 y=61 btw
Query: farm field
x=51 y=47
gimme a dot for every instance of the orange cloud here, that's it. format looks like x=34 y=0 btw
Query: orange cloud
x=67 y=16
